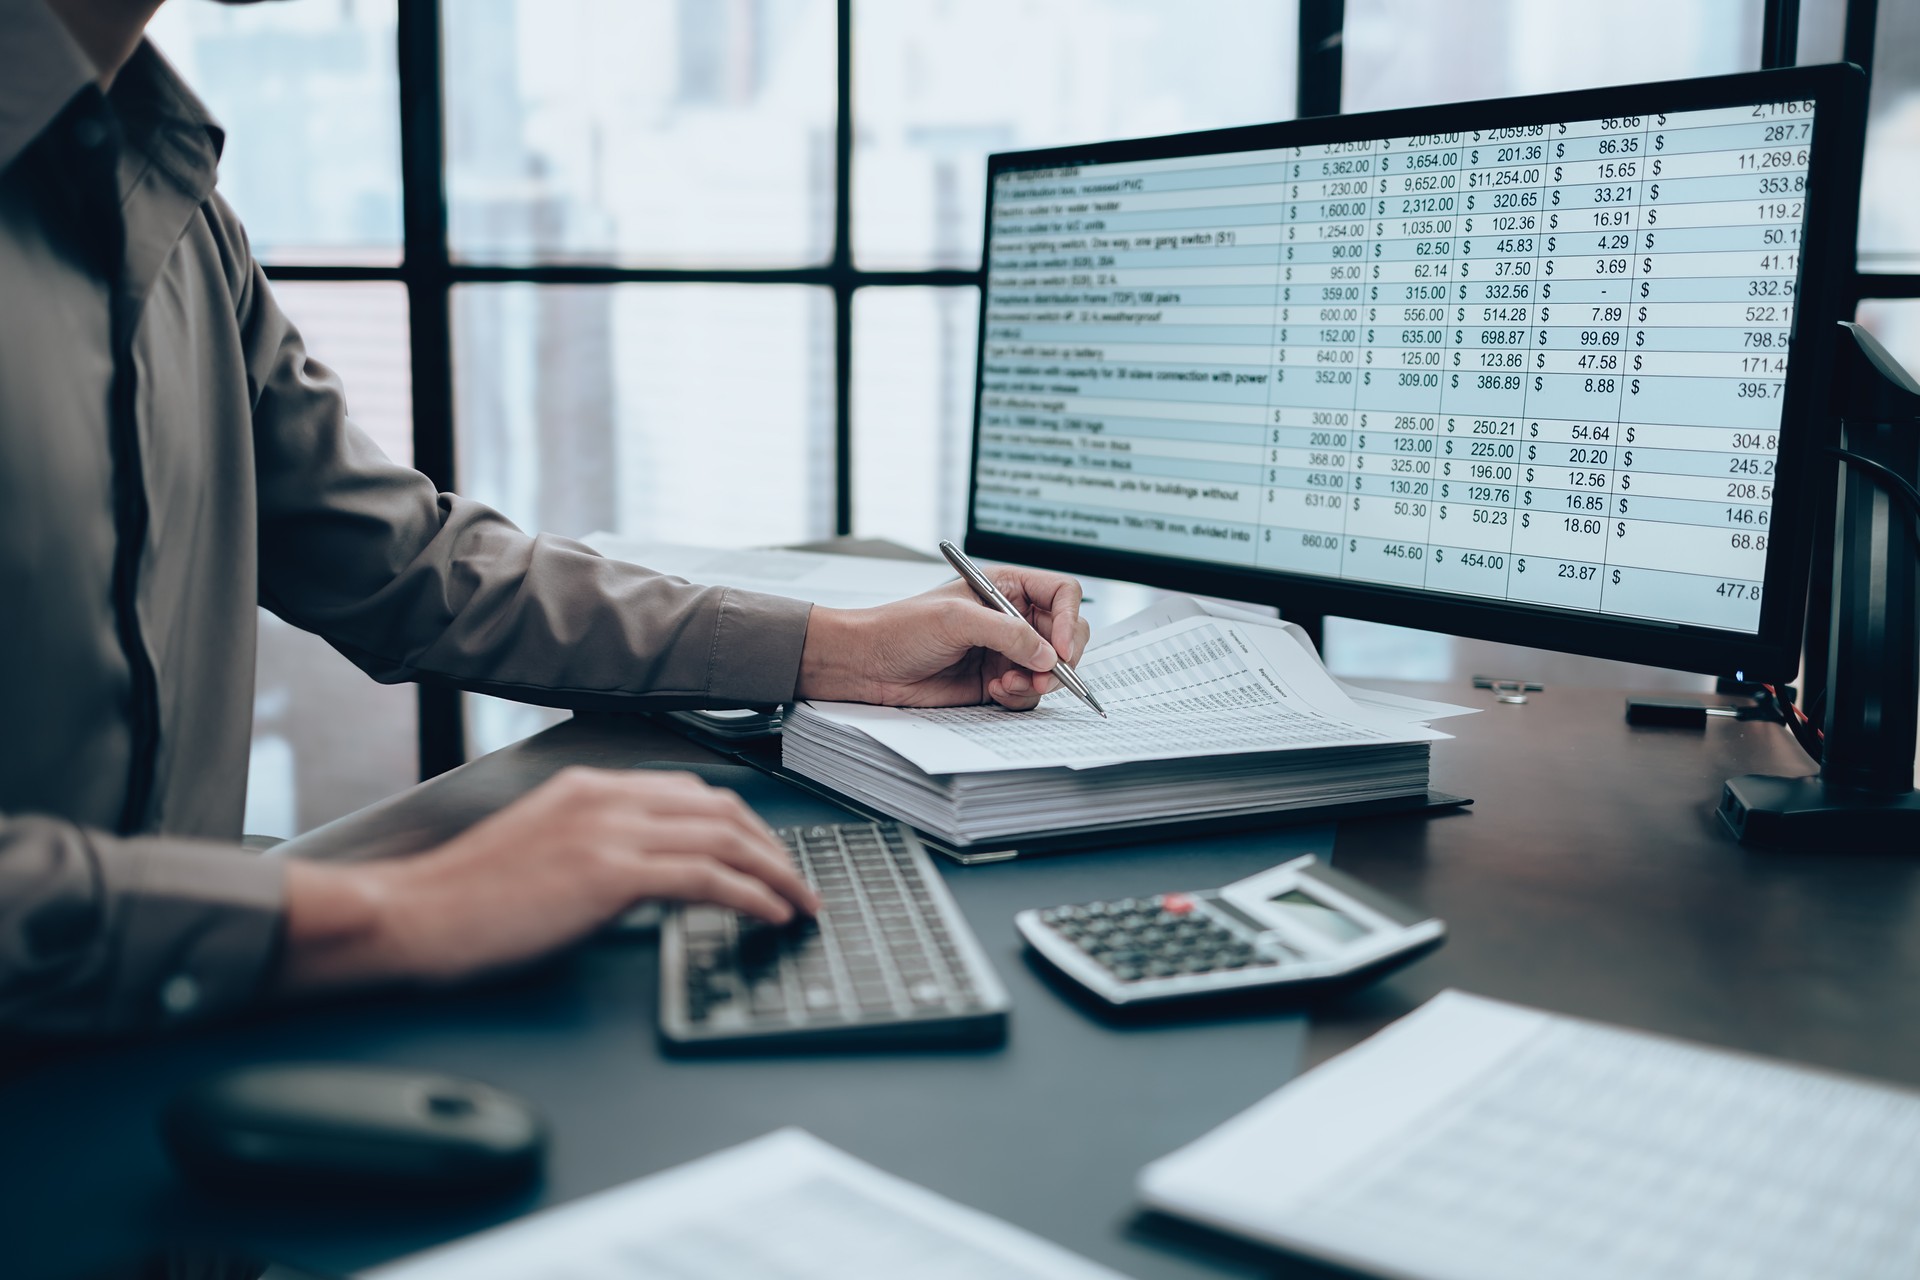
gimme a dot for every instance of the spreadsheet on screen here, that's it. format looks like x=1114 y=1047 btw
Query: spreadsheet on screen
x=1540 y=363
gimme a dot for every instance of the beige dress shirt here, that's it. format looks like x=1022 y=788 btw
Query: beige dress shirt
x=171 y=457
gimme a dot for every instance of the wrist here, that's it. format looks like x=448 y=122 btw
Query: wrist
x=833 y=666
x=338 y=928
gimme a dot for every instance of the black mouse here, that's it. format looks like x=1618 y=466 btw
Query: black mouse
x=352 y=1130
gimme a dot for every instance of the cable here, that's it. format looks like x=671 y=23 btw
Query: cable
x=1887 y=478
x=1811 y=740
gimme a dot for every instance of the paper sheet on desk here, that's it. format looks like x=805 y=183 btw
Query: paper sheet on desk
x=1479 y=1140
x=837 y=581
x=1198 y=686
x=783 y=1207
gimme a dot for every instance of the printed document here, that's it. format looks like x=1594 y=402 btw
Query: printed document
x=1198 y=685
x=1477 y=1140
x=783 y=1207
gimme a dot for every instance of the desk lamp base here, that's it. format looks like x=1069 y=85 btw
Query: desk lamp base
x=1808 y=814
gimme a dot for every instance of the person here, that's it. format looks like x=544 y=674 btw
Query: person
x=171 y=457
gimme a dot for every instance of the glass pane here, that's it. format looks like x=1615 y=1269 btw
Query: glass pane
x=1890 y=189
x=913 y=372
x=326 y=739
x=1897 y=325
x=685 y=413
x=1822 y=30
x=938 y=85
x=1408 y=53
x=673 y=132
x=310 y=97
x=359 y=331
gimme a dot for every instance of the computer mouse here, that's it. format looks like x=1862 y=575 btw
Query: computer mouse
x=352 y=1130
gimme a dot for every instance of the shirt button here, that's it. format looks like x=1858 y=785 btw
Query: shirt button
x=89 y=132
x=180 y=995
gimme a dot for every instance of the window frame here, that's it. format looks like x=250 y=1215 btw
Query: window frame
x=429 y=272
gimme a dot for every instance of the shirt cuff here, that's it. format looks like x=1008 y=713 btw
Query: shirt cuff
x=757 y=641
x=198 y=932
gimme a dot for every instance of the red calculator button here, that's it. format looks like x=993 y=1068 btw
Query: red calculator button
x=1176 y=903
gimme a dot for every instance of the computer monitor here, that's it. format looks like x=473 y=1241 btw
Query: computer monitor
x=1549 y=370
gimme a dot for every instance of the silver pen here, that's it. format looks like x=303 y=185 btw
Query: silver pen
x=983 y=587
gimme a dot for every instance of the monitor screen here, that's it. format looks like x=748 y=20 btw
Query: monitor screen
x=1527 y=358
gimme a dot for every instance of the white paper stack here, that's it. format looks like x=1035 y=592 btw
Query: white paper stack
x=1208 y=716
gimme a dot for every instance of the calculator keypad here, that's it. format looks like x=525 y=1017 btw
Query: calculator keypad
x=1141 y=939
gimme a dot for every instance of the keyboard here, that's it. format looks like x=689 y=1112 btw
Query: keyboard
x=889 y=962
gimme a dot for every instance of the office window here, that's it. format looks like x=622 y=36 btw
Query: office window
x=913 y=376
x=310 y=97
x=939 y=84
x=326 y=739
x=1890 y=186
x=683 y=413
x=673 y=132
x=1407 y=53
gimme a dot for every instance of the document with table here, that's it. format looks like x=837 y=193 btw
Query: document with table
x=1207 y=715
x=786 y=1206
x=1478 y=1140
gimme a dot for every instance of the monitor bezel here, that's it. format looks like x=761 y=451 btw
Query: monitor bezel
x=1806 y=429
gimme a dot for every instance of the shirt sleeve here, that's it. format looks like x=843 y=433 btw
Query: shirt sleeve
x=104 y=935
x=414 y=584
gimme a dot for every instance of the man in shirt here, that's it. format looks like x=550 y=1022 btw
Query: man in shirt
x=170 y=457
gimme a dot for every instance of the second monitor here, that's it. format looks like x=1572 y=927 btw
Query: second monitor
x=1536 y=370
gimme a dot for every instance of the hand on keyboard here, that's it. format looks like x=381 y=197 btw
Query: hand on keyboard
x=888 y=956
x=542 y=873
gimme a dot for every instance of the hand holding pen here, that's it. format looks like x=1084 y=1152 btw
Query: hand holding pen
x=943 y=649
x=984 y=587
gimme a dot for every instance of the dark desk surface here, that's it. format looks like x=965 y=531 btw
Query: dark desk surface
x=1591 y=877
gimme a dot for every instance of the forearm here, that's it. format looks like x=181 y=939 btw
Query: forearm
x=338 y=928
x=836 y=663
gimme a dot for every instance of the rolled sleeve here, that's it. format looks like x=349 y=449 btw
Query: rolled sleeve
x=103 y=935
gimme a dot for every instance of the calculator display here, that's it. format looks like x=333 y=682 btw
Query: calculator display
x=1317 y=918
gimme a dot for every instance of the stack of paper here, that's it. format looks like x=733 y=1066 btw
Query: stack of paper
x=1209 y=715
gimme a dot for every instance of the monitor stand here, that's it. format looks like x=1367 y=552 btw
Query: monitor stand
x=1863 y=798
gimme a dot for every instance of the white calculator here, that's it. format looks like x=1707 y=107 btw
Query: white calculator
x=1300 y=925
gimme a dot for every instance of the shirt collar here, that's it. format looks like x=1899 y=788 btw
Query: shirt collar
x=167 y=122
x=42 y=69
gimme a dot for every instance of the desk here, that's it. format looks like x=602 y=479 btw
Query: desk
x=1591 y=877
